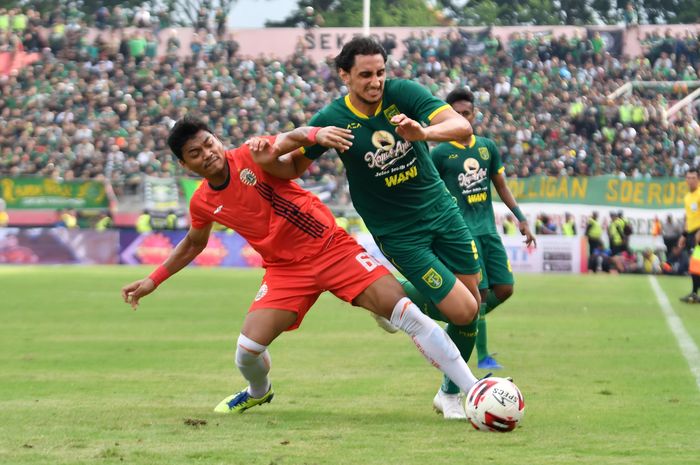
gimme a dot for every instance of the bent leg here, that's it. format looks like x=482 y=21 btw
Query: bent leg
x=463 y=336
x=429 y=338
x=433 y=342
x=260 y=328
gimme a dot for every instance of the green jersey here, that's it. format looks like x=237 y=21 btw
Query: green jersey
x=467 y=172
x=392 y=181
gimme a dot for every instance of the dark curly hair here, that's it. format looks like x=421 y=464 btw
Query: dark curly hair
x=358 y=46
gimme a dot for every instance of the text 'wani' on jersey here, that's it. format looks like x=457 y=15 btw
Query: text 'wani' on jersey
x=279 y=219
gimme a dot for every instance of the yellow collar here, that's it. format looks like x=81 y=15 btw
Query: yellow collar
x=357 y=112
x=471 y=144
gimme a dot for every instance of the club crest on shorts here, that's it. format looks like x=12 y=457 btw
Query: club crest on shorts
x=261 y=292
x=433 y=279
x=248 y=177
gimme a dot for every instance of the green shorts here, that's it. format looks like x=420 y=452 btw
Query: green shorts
x=495 y=266
x=431 y=251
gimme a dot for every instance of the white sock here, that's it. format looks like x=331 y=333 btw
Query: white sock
x=253 y=361
x=433 y=342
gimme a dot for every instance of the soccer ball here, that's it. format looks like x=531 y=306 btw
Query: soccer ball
x=495 y=404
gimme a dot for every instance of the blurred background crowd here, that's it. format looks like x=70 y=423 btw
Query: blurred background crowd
x=89 y=109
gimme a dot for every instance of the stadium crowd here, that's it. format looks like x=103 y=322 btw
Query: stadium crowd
x=102 y=108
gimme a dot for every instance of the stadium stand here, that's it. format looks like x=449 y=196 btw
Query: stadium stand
x=97 y=103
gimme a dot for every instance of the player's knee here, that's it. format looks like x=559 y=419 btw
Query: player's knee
x=247 y=351
x=466 y=316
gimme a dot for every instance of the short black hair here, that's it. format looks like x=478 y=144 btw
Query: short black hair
x=692 y=169
x=185 y=129
x=359 y=45
x=459 y=95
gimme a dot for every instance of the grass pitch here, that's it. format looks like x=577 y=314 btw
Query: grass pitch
x=84 y=380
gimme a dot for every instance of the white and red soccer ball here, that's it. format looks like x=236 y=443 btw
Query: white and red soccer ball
x=495 y=404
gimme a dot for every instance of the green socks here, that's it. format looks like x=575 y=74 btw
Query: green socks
x=481 y=336
x=491 y=301
x=464 y=338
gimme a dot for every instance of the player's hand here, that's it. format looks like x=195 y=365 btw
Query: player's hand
x=131 y=293
x=408 y=129
x=335 y=138
x=261 y=150
x=258 y=144
x=529 y=237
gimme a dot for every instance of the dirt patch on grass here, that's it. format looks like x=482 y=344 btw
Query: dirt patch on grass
x=195 y=422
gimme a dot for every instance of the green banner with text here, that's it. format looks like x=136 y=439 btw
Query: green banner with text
x=46 y=193
x=655 y=193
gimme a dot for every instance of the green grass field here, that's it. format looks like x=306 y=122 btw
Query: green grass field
x=85 y=380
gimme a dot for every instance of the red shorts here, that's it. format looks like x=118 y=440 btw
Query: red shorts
x=343 y=268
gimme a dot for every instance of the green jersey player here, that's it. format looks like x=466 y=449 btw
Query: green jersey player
x=468 y=171
x=397 y=191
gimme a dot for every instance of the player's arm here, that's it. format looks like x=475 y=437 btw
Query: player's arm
x=282 y=156
x=189 y=247
x=499 y=182
x=447 y=125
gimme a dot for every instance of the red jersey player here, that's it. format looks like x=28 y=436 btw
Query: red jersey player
x=304 y=252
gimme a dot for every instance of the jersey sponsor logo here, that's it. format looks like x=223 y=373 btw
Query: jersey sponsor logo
x=353 y=125
x=248 y=177
x=218 y=209
x=388 y=152
x=452 y=156
x=391 y=112
x=383 y=140
x=433 y=279
x=473 y=177
x=261 y=292
x=404 y=176
x=484 y=153
x=476 y=198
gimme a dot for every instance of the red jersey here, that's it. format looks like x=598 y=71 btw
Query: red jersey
x=279 y=219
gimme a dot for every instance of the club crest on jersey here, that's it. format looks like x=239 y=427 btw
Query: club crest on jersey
x=391 y=112
x=484 y=153
x=261 y=292
x=248 y=177
x=433 y=279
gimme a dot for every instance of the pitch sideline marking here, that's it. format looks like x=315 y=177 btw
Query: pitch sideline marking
x=685 y=342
